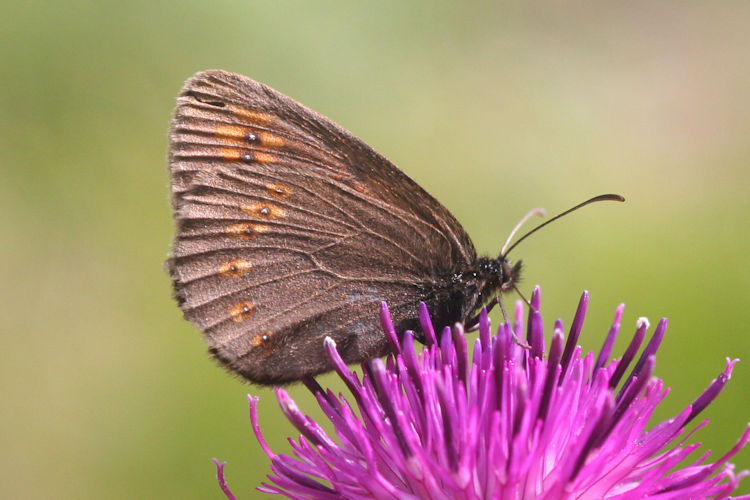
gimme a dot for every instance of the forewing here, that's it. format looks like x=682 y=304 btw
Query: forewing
x=290 y=229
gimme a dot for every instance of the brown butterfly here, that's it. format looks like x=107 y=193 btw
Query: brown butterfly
x=291 y=229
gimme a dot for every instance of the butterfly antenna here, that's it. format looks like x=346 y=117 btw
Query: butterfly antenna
x=531 y=213
x=601 y=197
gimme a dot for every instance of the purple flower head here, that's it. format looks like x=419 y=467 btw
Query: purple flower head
x=508 y=422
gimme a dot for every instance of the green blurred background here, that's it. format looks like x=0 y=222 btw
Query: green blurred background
x=494 y=108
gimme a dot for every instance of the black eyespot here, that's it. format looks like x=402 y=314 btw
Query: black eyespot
x=247 y=157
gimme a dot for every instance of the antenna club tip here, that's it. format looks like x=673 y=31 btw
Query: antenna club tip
x=507 y=249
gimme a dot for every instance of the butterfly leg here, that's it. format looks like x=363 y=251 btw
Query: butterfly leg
x=528 y=303
x=473 y=323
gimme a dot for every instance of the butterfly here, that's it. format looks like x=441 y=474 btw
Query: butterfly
x=290 y=229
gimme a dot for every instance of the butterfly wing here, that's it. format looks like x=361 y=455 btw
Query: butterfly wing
x=290 y=229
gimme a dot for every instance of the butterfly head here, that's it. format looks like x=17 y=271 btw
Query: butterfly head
x=496 y=276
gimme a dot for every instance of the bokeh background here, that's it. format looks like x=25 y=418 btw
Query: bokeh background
x=493 y=107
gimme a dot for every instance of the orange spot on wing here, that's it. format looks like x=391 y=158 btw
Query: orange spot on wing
x=231 y=154
x=251 y=116
x=235 y=268
x=246 y=231
x=271 y=140
x=242 y=311
x=240 y=135
x=264 y=157
x=261 y=338
x=234 y=134
x=264 y=210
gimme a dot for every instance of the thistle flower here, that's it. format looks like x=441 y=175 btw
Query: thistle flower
x=511 y=423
